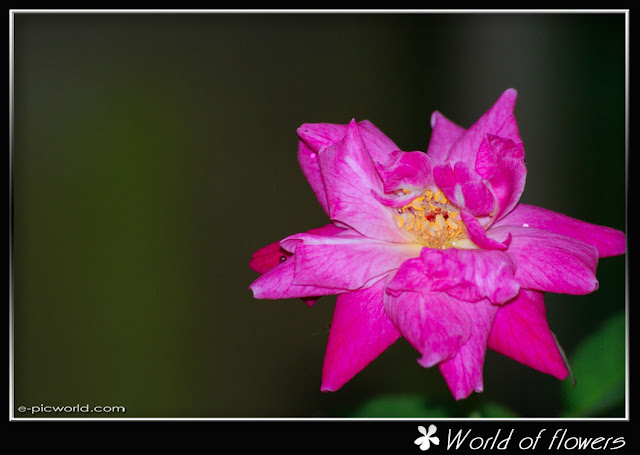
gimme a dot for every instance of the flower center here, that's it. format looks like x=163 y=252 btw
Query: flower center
x=432 y=220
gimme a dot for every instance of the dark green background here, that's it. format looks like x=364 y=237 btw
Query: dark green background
x=154 y=153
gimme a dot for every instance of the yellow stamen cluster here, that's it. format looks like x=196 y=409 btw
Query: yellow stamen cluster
x=432 y=220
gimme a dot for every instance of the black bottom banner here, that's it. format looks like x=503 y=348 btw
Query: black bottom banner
x=397 y=436
x=444 y=436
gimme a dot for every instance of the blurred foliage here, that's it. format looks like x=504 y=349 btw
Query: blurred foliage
x=599 y=367
x=415 y=405
x=401 y=405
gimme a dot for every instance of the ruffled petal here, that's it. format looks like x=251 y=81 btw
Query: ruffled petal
x=463 y=372
x=498 y=121
x=472 y=275
x=500 y=162
x=608 y=241
x=551 y=262
x=468 y=275
x=434 y=323
x=344 y=262
x=349 y=175
x=405 y=170
x=405 y=176
x=445 y=133
x=464 y=188
x=360 y=332
x=521 y=331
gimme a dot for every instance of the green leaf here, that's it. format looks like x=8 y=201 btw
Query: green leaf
x=599 y=368
x=413 y=405
x=400 y=406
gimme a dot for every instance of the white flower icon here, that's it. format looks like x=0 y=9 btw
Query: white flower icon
x=427 y=439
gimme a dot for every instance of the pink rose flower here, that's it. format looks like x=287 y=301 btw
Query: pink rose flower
x=432 y=247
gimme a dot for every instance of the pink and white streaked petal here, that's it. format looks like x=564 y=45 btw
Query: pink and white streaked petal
x=340 y=235
x=521 y=332
x=405 y=176
x=467 y=275
x=277 y=283
x=500 y=162
x=463 y=372
x=315 y=137
x=472 y=275
x=378 y=144
x=318 y=136
x=608 y=241
x=405 y=170
x=551 y=262
x=349 y=175
x=308 y=160
x=360 y=332
x=445 y=133
x=347 y=263
x=434 y=323
x=398 y=200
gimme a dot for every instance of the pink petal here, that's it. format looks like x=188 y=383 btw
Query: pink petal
x=378 y=144
x=349 y=175
x=498 y=121
x=308 y=160
x=468 y=275
x=445 y=133
x=315 y=137
x=463 y=372
x=268 y=257
x=608 y=241
x=434 y=323
x=472 y=275
x=478 y=235
x=345 y=263
x=360 y=332
x=318 y=136
x=277 y=283
x=328 y=230
x=521 y=331
x=551 y=262
x=501 y=162
x=273 y=254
